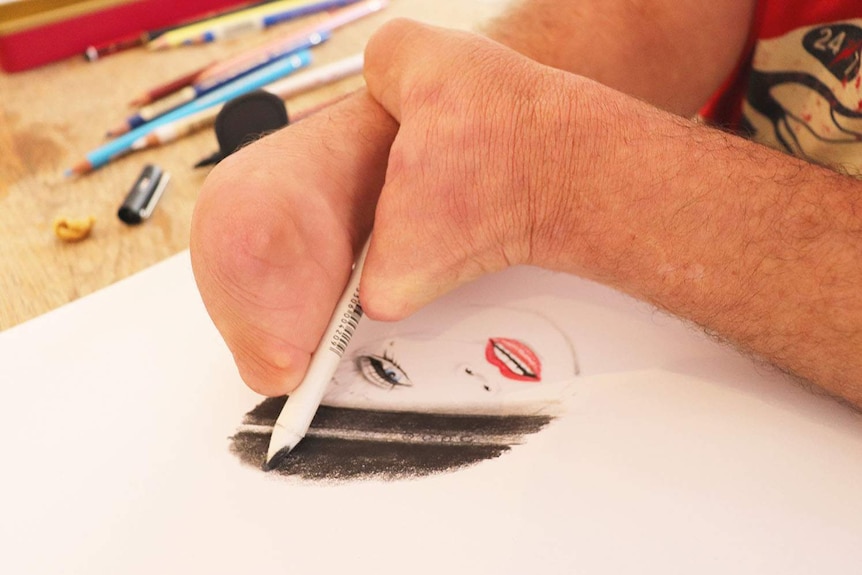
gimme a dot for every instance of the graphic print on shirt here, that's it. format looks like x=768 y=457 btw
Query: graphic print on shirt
x=805 y=94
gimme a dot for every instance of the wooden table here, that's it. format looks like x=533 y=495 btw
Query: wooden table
x=51 y=116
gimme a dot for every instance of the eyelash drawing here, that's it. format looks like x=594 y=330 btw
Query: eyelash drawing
x=383 y=371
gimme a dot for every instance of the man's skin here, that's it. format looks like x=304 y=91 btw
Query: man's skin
x=467 y=157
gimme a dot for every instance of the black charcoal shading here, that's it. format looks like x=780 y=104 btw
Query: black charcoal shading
x=356 y=444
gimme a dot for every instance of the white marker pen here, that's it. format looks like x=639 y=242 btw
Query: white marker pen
x=296 y=415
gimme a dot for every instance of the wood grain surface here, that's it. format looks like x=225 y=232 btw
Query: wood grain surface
x=51 y=116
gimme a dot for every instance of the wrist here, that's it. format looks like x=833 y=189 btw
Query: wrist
x=572 y=174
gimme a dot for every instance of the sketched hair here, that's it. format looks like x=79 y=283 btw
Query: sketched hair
x=354 y=444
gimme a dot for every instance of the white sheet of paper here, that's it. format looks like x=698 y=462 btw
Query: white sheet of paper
x=672 y=455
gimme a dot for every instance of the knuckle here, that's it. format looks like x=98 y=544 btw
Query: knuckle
x=387 y=42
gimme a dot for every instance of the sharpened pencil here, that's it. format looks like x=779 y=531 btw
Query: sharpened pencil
x=285 y=88
x=123 y=145
x=335 y=19
x=202 y=87
x=95 y=52
x=168 y=88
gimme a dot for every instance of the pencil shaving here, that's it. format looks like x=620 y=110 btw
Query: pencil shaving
x=73 y=230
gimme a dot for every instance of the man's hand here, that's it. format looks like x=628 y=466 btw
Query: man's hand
x=477 y=173
x=275 y=230
x=499 y=160
x=476 y=167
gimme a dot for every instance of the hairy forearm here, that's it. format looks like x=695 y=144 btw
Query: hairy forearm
x=524 y=163
x=671 y=53
x=759 y=247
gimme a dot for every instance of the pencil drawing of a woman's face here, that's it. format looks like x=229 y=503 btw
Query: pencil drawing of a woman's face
x=489 y=361
x=439 y=391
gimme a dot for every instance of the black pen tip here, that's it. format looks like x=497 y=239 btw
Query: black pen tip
x=277 y=459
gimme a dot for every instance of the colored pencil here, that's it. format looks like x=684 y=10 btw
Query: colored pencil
x=123 y=145
x=95 y=52
x=228 y=32
x=201 y=86
x=177 y=129
x=252 y=19
x=168 y=88
x=285 y=88
x=312 y=79
x=334 y=20
x=329 y=23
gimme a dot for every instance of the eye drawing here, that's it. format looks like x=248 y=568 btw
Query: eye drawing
x=382 y=371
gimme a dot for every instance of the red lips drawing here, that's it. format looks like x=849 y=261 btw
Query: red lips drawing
x=514 y=359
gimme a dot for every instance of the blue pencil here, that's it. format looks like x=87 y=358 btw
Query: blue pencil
x=201 y=88
x=122 y=145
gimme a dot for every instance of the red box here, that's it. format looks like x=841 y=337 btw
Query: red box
x=37 y=32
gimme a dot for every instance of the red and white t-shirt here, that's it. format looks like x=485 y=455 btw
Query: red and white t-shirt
x=799 y=86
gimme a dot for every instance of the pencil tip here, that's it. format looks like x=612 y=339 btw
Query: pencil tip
x=117 y=131
x=78 y=169
x=277 y=459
